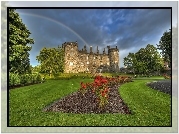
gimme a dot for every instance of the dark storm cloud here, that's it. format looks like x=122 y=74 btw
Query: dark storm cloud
x=129 y=29
x=143 y=24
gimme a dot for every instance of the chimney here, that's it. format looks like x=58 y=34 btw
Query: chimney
x=108 y=49
x=90 y=49
x=104 y=51
x=97 y=50
x=85 y=49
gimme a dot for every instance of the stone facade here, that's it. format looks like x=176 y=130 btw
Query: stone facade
x=77 y=61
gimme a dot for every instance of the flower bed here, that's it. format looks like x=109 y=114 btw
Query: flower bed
x=100 y=96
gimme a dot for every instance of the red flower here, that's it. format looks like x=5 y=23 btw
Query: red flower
x=83 y=85
x=106 y=90
x=103 y=93
x=97 y=82
x=104 y=81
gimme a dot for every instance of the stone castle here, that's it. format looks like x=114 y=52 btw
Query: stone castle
x=77 y=61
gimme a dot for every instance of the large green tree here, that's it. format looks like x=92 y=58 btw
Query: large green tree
x=130 y=62
x=152 y=59
x=145 y=61
x=36 y=69
x=18 y=44
x=166 y=46
x=51 y=60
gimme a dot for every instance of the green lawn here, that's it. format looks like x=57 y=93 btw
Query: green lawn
x=149 y=107
x=150 y=78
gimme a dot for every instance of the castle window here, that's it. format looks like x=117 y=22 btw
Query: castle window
x=94 y=57
x=101 y=63
x=87 y=62
x=71 y=63
x=107 y=63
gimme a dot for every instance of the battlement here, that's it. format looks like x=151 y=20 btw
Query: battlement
x=69 y=43
x=84 y=50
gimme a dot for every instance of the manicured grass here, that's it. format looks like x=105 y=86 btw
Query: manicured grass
x=150 y=78
x=69 y=75
x=149 y=107
x=116 y=74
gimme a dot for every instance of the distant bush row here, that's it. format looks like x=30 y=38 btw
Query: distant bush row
x=24 y=79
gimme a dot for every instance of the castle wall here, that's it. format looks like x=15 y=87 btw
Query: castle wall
x=80 y=61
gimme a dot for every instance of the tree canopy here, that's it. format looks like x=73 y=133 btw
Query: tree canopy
x=166 y=46
x=51 y=60
x=19 y=61
x=145 y=61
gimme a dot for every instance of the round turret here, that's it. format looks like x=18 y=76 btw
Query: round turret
x=114 y=59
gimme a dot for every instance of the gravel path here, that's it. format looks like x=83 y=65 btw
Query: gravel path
x=162 y=85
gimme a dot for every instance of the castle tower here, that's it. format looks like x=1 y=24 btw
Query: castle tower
x=91 y=51
x=104 y=51
x=114 y=59
x=71 y=57
x=85 y=50
x=97 y=50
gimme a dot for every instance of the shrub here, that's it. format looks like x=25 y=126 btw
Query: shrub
x=14 y=79
x=24 y=79
x=28 y=78
x=39 y=79
x=33 y=78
